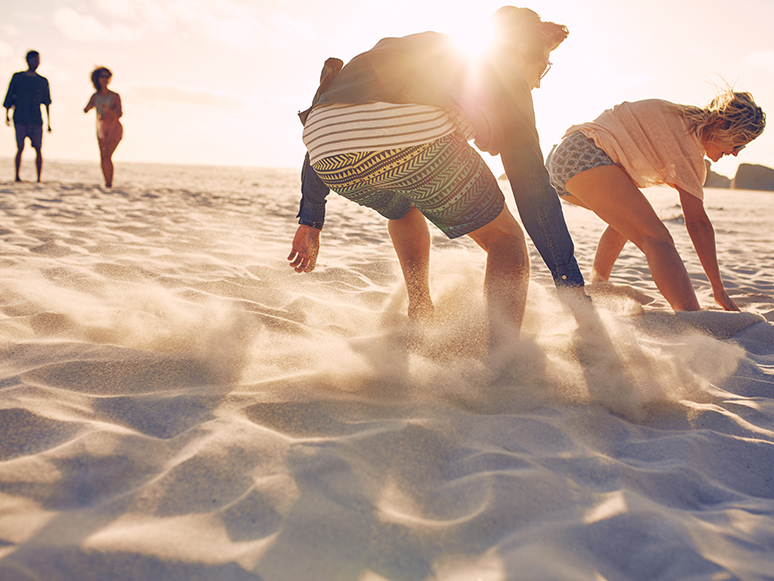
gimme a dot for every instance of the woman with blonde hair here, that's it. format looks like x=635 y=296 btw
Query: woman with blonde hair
x=601 y=165
x=109 y=111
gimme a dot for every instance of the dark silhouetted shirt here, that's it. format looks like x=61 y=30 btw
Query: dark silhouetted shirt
x=26 y=93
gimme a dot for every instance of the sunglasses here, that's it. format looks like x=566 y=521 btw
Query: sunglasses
x=549 y=64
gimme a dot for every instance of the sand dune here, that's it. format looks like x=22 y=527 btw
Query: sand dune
x=176 y=403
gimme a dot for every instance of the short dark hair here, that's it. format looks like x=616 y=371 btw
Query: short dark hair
x=95 y=76
x=516 y=25
x=31 y=55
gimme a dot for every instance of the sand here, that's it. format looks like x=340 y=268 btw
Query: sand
x=176 y=403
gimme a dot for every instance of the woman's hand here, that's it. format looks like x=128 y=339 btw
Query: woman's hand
x=306 y=246
x=725 y=301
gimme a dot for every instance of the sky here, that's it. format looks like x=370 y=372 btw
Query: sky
x=219 y=82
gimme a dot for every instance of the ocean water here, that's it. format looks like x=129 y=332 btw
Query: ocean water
x=177 y=403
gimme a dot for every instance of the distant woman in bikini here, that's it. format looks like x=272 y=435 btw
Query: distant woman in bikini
x=109 y=128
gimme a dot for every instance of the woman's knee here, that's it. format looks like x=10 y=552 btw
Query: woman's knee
x=656 y=241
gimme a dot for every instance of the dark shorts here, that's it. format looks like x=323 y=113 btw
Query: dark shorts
x=445 y=179
x=574 y=154
x=34 y=132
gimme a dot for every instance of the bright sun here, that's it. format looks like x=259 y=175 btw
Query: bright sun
x=474 y=36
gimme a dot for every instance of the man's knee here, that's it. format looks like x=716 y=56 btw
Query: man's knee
x=504 y=243
x=510 y=244
x=502 y=230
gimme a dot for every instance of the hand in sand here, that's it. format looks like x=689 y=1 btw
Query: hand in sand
x=306 y=246
x=725 y=301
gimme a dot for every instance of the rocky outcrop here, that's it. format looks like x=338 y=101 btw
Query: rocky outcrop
x=753 y=177
x=715 y=180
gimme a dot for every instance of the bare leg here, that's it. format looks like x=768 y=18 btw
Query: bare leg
x=107 y=169
x=38 y=161
x=411 y=238
x=612 y=195
x=106 y=150
x=18 y=163
x=507 y=275
x=107 y=147
x=610 y=245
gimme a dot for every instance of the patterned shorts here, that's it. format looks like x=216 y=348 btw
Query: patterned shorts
x=574 y=154
x=445 y=179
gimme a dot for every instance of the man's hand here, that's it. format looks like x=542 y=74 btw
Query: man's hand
x=306 y=246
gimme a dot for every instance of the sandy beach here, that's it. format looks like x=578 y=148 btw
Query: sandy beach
x=177 y=404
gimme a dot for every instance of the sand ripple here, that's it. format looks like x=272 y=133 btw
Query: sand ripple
x=175 y=403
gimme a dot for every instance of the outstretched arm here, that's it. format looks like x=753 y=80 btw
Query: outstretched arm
x=118 y=109
x=539 y=206
x=703 y=237
x=311 y=211
x=311 y=215
x=90 y=105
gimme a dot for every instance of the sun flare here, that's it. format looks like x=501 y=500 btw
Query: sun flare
x=474 y=36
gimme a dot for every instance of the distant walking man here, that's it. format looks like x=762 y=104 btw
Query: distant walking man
x=27 y=91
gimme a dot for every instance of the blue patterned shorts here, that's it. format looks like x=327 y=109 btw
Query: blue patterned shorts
x=445 y=179
x=574 y=154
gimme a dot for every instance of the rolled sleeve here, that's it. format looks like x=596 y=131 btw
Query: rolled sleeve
x=311 y=211
x=541 y=212
x=537 y=201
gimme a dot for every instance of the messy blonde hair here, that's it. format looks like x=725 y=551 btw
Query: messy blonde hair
x=730 y=117
x=516 y=25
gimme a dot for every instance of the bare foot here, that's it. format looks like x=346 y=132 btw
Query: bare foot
x=422 y=313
